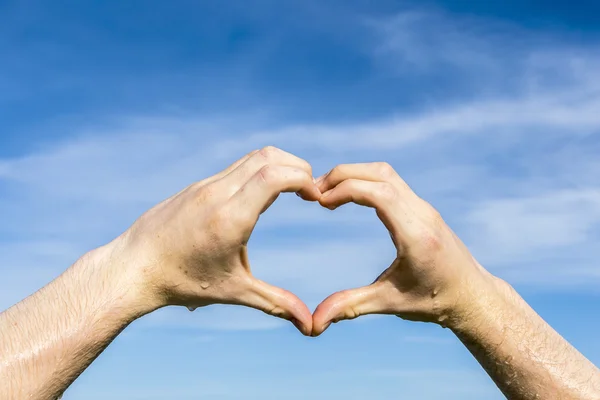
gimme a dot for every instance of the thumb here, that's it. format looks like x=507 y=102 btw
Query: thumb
x=349 y=304
x=277 y=302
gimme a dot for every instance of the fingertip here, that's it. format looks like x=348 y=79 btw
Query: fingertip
x=324 y=196
x=310 y=193
x=315 y=331
x=319 y=328
x=327 y=201
x=298 y=312
x=324 y=315
x=302 y=327
x=303 y=321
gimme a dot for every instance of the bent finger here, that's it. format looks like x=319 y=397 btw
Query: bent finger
x=277 y=302
x=263 y=188
x=234 y=180
x=382 y=196
x=349 y=304
x=230 y=168
x=374 y=172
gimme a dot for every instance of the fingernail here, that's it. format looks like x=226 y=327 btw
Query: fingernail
x=320 y=179
x=326 y=194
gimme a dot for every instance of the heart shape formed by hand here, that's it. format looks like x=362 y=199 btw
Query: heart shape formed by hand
x=193 y=247
x=431 y=261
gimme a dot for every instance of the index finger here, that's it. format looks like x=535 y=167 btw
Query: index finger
x=265 y=186
x=244 y=171
x=381 y=196
x=373 y=172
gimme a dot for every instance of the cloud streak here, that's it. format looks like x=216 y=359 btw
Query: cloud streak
x=483 y=160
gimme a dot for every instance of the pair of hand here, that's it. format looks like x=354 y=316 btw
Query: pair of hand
x=191 y=249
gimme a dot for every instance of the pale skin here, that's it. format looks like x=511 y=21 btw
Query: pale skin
x=435 y=279
x=190 y=250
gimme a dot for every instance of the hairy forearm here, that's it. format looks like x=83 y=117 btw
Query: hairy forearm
x=48 y=339
x=524 y=356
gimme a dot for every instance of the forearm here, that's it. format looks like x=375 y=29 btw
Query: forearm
x=48 y=339
x=524 y=356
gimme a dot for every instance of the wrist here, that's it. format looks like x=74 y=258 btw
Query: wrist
x=117 y=278
x=480 y=302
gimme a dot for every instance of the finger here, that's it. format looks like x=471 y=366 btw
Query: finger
x=364 y=193
x=266 y=156
x=350 y=304
x=382 y=196
x=277 y=302
x=266 y=184
x=217 y=176
x=230 y=169
x=376 y=172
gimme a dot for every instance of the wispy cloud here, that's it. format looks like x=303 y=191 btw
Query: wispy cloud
x=555 y=219
x=508 y=167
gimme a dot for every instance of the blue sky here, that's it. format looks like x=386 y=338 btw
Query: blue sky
x=489 y=110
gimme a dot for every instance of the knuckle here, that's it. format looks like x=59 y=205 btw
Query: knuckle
x=431 y=233
x=431 y=239
x=387 y=191
x=336 y=174
x=385 y=170
x=305 y=176
x=267 y=174
x=307 y=167
x=205 y=193
x=435 y=217
x=268 y=152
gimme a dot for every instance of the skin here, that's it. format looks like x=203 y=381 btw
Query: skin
x=434 y=278
x=191 y=250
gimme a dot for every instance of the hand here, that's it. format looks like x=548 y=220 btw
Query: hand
x=191 y=249
x=433 y=275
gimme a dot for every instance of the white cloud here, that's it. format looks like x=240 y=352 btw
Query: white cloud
x=453 y=42
x=518 y=226
x=482 y=159
x=547 y=239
